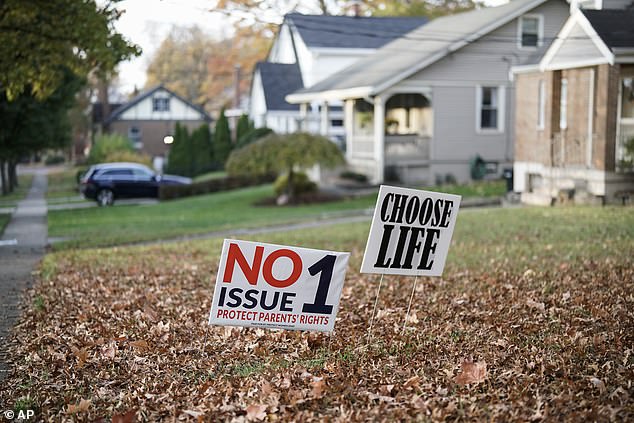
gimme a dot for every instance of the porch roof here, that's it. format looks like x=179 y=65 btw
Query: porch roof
x=412 y=52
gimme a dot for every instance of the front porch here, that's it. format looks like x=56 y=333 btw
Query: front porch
x=389 y=138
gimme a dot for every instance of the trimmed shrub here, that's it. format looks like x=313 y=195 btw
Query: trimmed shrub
x=253 y=135
x=301 y=184
x=170 y=192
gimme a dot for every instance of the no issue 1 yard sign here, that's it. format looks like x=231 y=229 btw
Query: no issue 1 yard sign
x=411 y=232
x=276 y=286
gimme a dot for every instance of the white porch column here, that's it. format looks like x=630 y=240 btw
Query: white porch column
x=303 y=115
x=379 y=138
x=324 y=122
x=348 y=116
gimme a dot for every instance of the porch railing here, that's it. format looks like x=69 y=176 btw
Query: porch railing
x=407 y=147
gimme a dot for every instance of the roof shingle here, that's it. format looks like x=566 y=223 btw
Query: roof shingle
x=350 y=31
x=279 y=80
x=615 y=27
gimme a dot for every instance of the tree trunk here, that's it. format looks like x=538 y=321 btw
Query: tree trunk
x=3 y=177
x=290 y=189
x=13 y=175
x=104 y=99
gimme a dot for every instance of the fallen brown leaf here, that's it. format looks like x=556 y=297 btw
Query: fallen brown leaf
x=472 y=373
x=127 y=417
x=140 y=345
x=318 y=388
x=82 y=407
x=256 y=412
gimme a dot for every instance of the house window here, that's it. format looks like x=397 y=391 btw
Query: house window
x=161 y=104
x=563 y=104
x=134 y=135
x=489 y=108
x=530 y=31
x=541 y=105
x=336 y=123
x=627 y=98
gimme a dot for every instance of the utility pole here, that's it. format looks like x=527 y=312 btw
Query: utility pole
x=236 y=100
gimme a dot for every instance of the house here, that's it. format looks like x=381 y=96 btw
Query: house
x=151 y=116
x=575 y=111
x=423 y=107
x=308 y=49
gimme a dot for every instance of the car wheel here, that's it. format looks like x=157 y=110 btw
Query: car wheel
x=105 y=197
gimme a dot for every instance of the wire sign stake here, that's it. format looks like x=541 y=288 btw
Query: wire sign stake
x=410 y=235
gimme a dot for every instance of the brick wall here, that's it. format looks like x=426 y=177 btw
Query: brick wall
x=552 y=146
x=532 y=144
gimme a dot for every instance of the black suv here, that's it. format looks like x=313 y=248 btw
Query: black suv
x=109 y=181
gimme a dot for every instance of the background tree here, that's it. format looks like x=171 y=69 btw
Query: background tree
x=202 y=69
x=202 y=150
x=247 y=46
x=269 y=13
x=284 y=154
x=41 y=38
x=417 y=7
x=180 y=63
x=243 y=127
x=179 y=159
x=47 y=50
x=222 y=140
x=29 y=124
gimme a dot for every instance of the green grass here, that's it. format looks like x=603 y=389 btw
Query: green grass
x=4 y=219
x=495 y=188
x=514 y=239
x=62 y=184
x=24 y=184
x=217 y=174
x=207 y=213
x=502 y=238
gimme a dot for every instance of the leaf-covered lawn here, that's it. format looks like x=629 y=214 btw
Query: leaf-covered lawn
x=532 y=321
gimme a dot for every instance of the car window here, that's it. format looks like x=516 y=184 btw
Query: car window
x=117 y=172
x=90 y=172
x=142 y=173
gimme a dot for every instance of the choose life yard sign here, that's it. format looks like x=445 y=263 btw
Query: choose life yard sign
x=411 y=232
x=276 y=286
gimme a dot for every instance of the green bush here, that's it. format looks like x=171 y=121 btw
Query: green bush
x=128 y=156
x=354 y=176
x=54 y=159
x=301 y=184
x=106 y=145
x=253 y=135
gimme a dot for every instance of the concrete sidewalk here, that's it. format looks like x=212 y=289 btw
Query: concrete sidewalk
x=22 y=246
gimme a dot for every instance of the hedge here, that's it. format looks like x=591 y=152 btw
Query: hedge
x=171 y=192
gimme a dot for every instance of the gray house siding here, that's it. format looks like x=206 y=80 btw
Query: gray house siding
x=454 y=81
x=456 y=141
x=491 y=57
